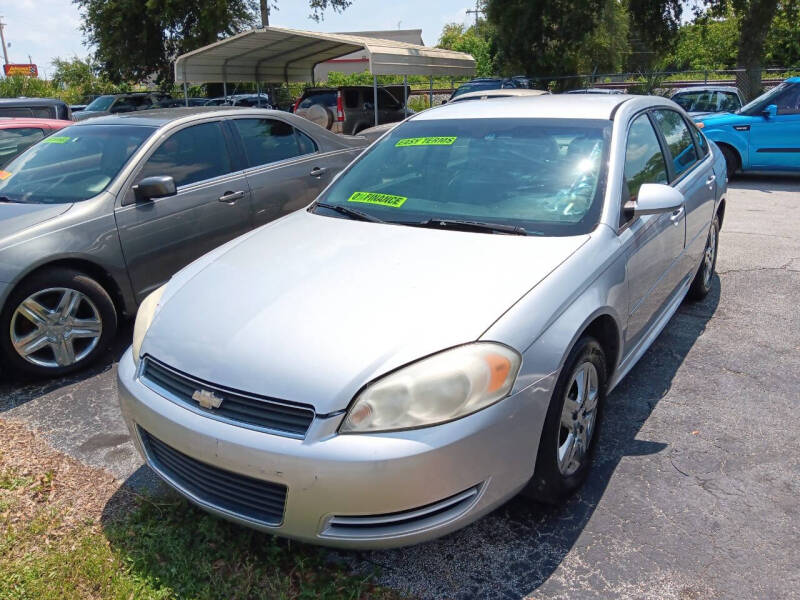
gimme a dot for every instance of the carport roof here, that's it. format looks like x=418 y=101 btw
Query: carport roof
x=275 y=54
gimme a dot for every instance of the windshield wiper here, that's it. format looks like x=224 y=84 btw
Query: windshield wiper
x=472 y=226
x=350 y=212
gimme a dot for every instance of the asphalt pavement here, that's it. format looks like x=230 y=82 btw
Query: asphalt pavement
x=695 y=487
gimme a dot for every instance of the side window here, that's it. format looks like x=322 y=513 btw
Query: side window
x=307 y=145
x=193 y=154
x=351 y=99
x=789 y=101
x=701 y=142
x=15 y=111
x=387 y=101
x=644 y=161
x=679 y=139
x=267 y=140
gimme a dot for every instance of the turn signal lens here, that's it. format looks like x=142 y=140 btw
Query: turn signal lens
x=437 y=389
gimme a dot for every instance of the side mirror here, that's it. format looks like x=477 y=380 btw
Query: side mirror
x=369 y=106
x=158 y=186
x=654 y=199
x=770 y=111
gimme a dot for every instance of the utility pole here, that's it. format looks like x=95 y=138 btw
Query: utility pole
x=3 y=40
x=264 y=13
x=478 y=11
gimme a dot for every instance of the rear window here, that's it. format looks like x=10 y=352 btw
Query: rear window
x=36 y=112
x=323 y=98
x=477 y=86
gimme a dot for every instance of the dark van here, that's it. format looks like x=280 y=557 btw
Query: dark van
x=35 y=108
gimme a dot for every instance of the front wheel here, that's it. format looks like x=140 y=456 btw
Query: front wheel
x=56 y=322
x=701 y=284
x=568 y=436
x=732 y=162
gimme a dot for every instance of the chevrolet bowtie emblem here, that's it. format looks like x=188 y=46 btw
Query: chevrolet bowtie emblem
x=207 y=399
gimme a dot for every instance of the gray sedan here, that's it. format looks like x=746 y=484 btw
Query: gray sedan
x=95 y=217
x=438 y=331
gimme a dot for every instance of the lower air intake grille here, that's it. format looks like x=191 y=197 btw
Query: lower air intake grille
x=407 y=521
x=241 y=495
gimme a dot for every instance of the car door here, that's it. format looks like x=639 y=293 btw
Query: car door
x=285 y=171
x=691 y=173
x=654 y=242
x=212 y=205
x=775 y=141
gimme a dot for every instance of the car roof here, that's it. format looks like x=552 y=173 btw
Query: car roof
x=14 y=123
x=13 y=102
x=160 y=116
x=547 y=106
x=793 y=80
x=499 y=93
x=707 y=88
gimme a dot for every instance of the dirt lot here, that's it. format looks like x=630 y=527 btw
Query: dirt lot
x=695 y=490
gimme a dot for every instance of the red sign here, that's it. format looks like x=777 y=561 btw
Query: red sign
x=23 y=70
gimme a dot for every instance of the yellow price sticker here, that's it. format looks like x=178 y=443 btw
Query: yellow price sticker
x=376 y=198
x=5 y=175
x=63 y=139
x=425 y=141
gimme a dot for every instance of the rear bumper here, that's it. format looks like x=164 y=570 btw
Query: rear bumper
x=345 y=490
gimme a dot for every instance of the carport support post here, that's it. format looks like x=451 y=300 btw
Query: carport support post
x=375 y=96
x=430 y=96
x=186 y=93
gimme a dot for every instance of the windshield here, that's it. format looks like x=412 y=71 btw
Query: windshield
x=75 y=164
x=544 y=175
x=757 y=106
x=101 y=103
x=477 y=86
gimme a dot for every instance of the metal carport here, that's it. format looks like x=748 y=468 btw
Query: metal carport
x=276 y=55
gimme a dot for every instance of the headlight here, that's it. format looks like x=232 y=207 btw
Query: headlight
x=144 y=318
x=443 y=387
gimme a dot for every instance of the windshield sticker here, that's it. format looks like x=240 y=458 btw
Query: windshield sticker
x=425 y=141
x=62 y=139
x=5 y=175
x=376 y=198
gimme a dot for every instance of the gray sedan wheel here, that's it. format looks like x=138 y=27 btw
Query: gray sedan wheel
x=56 y=322
x=701 y=285
x=569 y=432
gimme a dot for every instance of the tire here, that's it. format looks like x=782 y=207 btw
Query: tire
x=321 y=115
x=732 y=161
x=553 y=479
x=701 y=284
x=56 y=322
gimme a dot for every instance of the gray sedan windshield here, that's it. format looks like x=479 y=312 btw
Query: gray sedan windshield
x=74 y=164
x=542 y=175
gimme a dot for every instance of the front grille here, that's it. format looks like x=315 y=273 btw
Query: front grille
x=244 y=496
x=407 y=521
x=237 y=407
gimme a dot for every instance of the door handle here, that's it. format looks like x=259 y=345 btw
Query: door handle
x=318 y=171
x=675 y=217
x=711 y=179
x=231 y=197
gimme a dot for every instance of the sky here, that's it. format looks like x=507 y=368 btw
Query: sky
x=46 y=29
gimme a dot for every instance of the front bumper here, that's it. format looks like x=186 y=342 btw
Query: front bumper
x=342 y=488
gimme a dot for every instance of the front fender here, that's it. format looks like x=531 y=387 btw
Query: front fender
x=738 y=140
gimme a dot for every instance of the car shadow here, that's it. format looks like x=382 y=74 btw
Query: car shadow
x=17 y=389
x=766 y=183
x=511 y=552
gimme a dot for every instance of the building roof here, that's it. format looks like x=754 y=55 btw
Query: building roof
x=275 y=54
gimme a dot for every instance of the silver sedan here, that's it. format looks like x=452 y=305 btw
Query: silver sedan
x=438 y=331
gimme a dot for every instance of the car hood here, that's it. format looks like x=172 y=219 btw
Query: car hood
x=17 y=217
x=310 y=308
x=719 y=119
x=82 y=115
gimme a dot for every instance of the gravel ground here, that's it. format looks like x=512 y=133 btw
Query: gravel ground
x=695 y=486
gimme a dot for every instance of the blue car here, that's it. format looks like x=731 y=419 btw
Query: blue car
x=763 y=135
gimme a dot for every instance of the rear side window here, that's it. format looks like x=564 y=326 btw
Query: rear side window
x=679 y=139
x=324 y=98
x=193 y=154
x=307 y=145
x=351 y=99
x=644 y=161
x=16 y=141
x=387 y=101
x=270 y=140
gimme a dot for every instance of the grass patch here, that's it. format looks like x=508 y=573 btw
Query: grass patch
x=59 y=540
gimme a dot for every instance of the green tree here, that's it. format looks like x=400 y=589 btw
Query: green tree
x=475 y=40
x=138 y=39
x=706 y=44
x=782 y=47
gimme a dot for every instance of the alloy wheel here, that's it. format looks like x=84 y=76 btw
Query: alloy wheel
x=578 y=418
x=708 y=257
x=55 y=327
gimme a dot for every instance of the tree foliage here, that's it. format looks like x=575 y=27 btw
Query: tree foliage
x=475 y=40
x=138 y=39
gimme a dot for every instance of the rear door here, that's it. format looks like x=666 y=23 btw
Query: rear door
x=285 y=169
x=212 y=205
x=775 y=141
x=655 y=242
x=691 y=174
